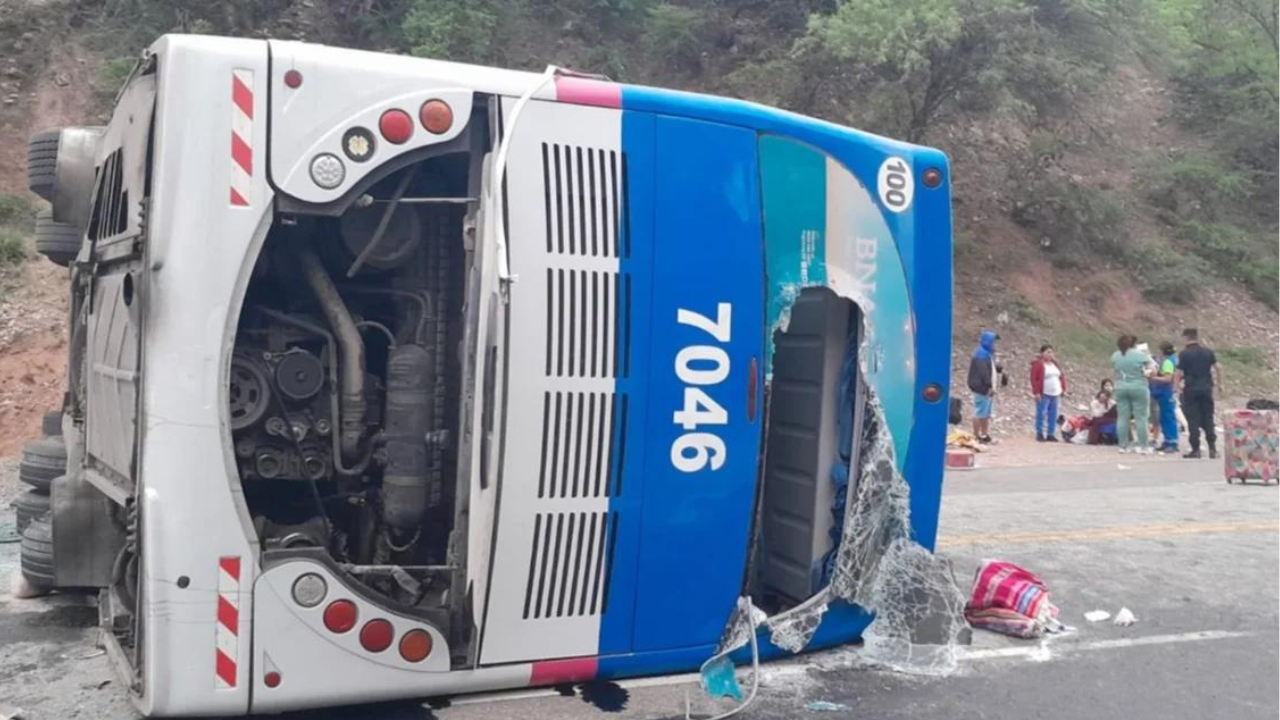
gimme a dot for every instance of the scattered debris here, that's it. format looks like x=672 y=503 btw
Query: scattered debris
x=1125 y=618
x=1122 y=466
x=1011 y=600
x=1097 y=616
x=824 y=706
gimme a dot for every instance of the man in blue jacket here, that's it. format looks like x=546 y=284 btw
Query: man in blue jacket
x=983 y=370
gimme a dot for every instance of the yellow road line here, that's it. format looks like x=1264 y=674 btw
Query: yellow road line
x=1107 y=533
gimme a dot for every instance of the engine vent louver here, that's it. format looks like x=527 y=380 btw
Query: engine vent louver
x=569 y=564
x=585 y=193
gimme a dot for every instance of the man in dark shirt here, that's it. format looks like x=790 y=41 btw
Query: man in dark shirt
x=1197 y=376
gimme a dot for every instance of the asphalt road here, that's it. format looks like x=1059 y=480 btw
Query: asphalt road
x=1196 y=560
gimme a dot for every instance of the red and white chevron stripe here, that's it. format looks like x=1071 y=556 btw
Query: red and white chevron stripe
x=241 y=137
x=228 y=631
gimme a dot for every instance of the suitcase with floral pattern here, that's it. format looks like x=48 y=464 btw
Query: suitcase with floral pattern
x=1250 y=445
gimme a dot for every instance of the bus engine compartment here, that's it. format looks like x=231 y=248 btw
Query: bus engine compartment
x=343 y=391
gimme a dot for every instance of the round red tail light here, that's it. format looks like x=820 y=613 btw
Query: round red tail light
x=396 y=126
x=415 y=645
x=293 y=78
x=340 y=616
x=376 y=635
x=436 y=116
x=932 y=392
x=271 y=679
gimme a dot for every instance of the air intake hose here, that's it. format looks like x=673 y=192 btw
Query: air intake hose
x=351 y=401
x=410 y=374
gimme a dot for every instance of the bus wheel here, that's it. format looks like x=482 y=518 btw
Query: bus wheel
x=37 y=553
x=42 y=461
x=57 y=241
x=42 y=163
x=30 y=505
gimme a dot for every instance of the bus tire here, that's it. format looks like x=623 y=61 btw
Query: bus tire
x=42 y=163
x=30 y=505
x=37 y=553
x=42 y=461
x=57 y=241
x=51 y=424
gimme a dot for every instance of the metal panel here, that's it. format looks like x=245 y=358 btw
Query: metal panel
x=568 y=333
x=112 y=415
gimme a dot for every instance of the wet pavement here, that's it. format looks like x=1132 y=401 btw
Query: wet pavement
x=1195 y=559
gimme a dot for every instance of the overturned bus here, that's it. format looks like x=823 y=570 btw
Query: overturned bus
x=392 y=377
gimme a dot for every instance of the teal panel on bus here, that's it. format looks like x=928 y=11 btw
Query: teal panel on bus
x=793 y=183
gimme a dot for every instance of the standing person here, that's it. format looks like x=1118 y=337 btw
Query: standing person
x=982 y=381
x=1048 y=383
x=1133 y=397
x=1162 y=393
x=1197 y=376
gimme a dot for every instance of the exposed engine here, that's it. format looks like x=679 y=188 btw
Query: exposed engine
x=343 y=392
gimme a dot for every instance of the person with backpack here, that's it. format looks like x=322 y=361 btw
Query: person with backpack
x=1048 y=384
x=983 y=371
x=1133 y=397
x=1164 y=397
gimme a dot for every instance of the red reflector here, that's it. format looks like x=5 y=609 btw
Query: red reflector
x=376 y=635
x=436 y=116
x=293 y=78
x=396 y=126
x=271 y=679
x=340 y=616
x=932 y=177
x=932 y=393
x=415 y=646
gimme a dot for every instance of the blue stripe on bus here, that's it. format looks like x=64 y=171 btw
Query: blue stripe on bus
x=707 y=250
x=931 y=287
x=628 y=455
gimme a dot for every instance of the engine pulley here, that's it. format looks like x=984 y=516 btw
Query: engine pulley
x=299 y=375
x=250 y=393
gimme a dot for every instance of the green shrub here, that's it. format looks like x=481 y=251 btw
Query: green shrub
x=16 y=211
x=1071 y=217
x=1231 y=252
x=1199 y=184
x=1163 y=273
x=13 y=247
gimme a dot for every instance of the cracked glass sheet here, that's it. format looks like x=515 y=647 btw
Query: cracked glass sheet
x=919 y=610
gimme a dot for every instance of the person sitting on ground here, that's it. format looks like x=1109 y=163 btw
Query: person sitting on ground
x=982 y=381
x=1048 y=384
x=1133 y=398
x=1102 y=421
x=1163 y=396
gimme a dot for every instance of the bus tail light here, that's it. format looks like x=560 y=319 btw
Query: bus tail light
x=932 y=392
x=415 y=645
x=309 y=590
x=931 y=178
x=376 y=635
x=340 y=616
x=396 y=126
x=271 y=679
x=436 y=116
x=327 y=171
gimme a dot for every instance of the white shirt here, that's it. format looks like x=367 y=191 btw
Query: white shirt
x=1052 y=380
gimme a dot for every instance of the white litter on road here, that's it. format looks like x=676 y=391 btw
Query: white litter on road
x=1125 y=618
x=1097 y=615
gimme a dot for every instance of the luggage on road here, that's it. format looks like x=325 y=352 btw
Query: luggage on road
x=1249 y=449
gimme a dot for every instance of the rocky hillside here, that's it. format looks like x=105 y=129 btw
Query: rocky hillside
x=1114 y=163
